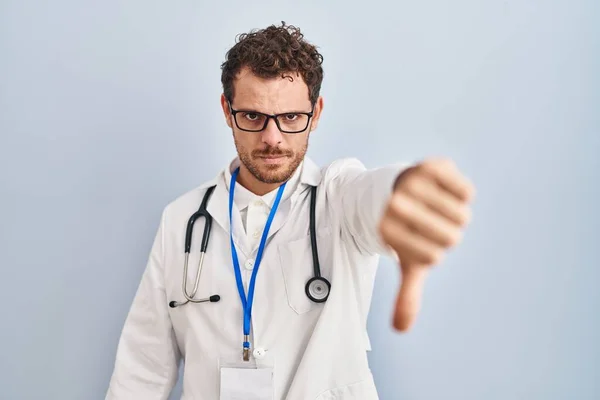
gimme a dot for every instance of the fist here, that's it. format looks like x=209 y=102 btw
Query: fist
x=425 y=216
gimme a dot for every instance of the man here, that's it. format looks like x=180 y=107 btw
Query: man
x=269 y=335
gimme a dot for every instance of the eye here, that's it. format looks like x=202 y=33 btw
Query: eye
x=291 y=117
x=251 y=116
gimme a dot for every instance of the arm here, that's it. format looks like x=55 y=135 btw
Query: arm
x=414 y=214
x=147 y=359
x=362 y=195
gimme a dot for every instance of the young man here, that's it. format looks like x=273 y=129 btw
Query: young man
x=290 y=274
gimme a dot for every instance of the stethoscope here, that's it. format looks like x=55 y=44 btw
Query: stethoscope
x=317 y=288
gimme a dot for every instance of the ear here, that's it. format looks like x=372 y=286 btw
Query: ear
x=226 y=112
x=317 y=113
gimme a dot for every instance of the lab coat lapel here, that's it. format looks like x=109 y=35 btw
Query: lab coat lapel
x=310 y=175
x=218 y=207
x=280 y=217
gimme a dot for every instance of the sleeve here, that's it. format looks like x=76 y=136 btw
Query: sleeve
x=147 y=359
x=361 y=195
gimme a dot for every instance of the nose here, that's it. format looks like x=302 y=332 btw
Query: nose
x=271 y=135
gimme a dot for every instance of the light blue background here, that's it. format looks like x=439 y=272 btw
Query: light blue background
x=110 y=109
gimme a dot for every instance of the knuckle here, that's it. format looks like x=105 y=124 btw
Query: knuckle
x=448 y=240
x=433 y=257
x=404 y=176
x=437 y=256
x=429 y=259
x=439 y=162
x=413 y=184
x=455 y=238
x=442 y=163
x=400 y=204
x=427 y=166
x=468 y=216
x=385 y=228
x=448 y=163
x=464 y=216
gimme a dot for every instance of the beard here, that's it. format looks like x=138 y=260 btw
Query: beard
x=271 y=174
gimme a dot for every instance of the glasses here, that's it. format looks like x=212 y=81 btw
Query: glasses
x=254 y=121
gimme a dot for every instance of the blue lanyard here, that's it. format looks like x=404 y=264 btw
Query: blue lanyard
x=247 y=304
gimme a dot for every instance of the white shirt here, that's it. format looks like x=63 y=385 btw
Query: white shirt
x=318 y=350
x=255 y=209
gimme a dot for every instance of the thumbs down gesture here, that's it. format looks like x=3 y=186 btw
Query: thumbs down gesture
x=425 y=216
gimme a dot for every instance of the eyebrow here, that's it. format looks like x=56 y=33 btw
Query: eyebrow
x=262 y=112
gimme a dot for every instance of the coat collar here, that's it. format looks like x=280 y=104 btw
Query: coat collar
x=243 y=196
x=308 y=174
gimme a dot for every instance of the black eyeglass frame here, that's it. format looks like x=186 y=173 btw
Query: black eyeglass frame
x=268 y=117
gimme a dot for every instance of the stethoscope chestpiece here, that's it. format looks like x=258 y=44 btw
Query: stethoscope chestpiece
x=317 y=289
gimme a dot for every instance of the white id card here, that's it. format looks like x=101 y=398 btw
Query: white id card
x=246 y=383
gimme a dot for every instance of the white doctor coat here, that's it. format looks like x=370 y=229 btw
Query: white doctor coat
x=318 y=351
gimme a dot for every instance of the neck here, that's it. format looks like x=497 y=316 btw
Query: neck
x=249 y=181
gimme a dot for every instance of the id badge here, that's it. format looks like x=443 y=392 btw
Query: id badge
x=245 y=381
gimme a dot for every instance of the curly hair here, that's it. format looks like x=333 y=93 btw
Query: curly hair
x=272 y=52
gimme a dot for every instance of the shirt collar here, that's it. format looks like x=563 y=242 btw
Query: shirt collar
x=307 y=174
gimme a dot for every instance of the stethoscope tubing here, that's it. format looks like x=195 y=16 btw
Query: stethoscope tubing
x=313 y=283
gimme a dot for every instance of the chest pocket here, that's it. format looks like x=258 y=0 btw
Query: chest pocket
x=296 y=261
x=363 y=390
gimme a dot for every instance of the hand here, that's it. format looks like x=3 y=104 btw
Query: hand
x=425 y=216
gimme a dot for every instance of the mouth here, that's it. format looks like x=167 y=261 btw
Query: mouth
x=273 y=159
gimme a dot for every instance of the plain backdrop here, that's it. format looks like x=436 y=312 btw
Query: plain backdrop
x=110 y=109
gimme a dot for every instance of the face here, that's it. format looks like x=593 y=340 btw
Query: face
x=270 y=156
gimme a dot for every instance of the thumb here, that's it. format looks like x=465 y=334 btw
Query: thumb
x=408 y=301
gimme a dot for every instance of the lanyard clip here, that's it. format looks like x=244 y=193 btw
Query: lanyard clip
x=246 y=348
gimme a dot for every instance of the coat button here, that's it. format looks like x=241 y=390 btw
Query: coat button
x=249 y=264
x=259 y=353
